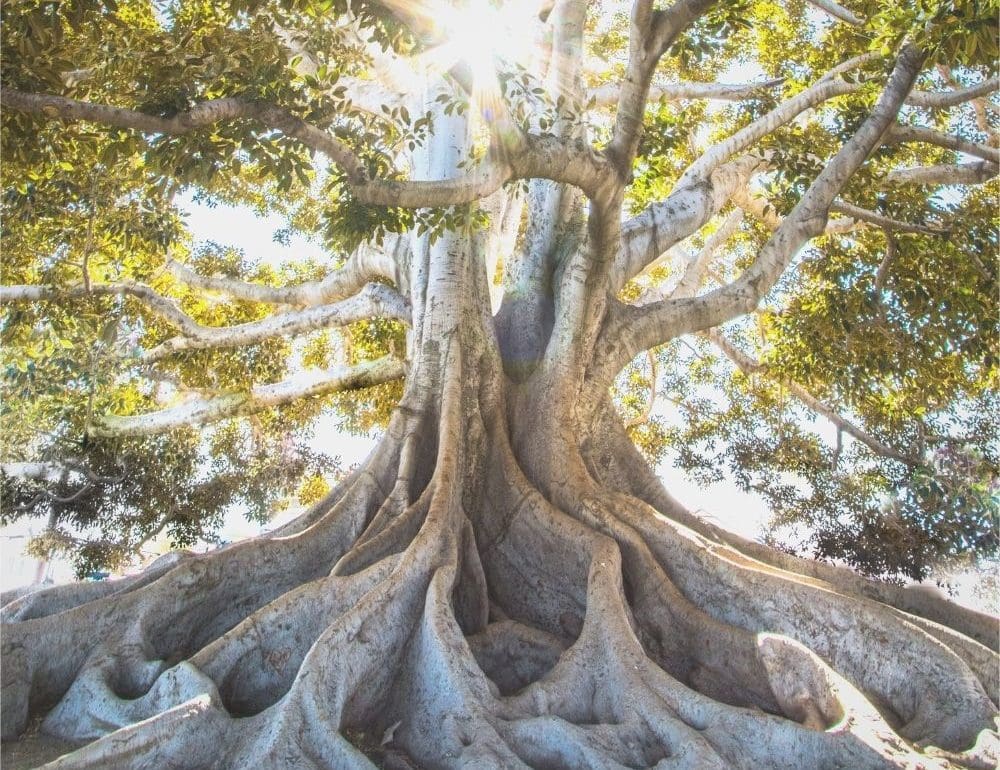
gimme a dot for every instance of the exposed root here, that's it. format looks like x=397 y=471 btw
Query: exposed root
x=615 y=463
x=189 y=732
x=933 y=692
x=255 y=663
x=451 y=616
x=395 y=535
x=695 y=731
x=166 y=617
x=59 y=598
x=513 y=655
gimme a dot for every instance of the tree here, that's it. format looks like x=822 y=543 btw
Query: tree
x=503 y=582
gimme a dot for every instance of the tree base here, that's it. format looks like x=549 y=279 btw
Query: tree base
x=451 y=615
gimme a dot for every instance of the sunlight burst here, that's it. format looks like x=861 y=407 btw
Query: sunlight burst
x=484 y=36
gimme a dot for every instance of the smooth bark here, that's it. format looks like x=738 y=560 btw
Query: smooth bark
x=504 y=582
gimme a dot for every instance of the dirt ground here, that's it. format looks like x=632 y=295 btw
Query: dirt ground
x=32 y=750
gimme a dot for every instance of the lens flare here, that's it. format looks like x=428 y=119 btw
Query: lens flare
x=484 y=36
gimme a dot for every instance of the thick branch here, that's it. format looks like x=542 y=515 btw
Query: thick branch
x=535 y=156
x=608 y=94
x=573 y=163
x=651 y=33
x=257 y=398
x=486 y=178
x=666 y=223
x=363 y=266
x=943 y=99
x=642 y=328
x=163 y=306
x=838 y=11
x=375 y=300
x=693 y=203
x=783 y=114
x=902 y=134
x=201 y=115
x=961 y=173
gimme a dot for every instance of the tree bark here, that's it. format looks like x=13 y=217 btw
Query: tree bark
x=475 y=608
x=503 y=583
x=497 y=586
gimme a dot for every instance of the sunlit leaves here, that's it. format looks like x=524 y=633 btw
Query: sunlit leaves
x=83 y=204
x=955 y=32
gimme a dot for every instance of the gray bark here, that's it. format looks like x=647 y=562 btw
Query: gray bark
x=503 y=583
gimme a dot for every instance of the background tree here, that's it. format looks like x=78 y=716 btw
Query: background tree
x=504 y=582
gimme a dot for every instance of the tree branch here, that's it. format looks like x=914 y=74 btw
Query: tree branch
x=363 y=266
x=749 y=365
x=631 y=329
x=528 y=156
x=663 y=224
x=821 y=91
x=763 y=211
x=49 y=472
x=651 y=33
x=608 y=94
x=257 y=398
x=854 y=216
x=375 y=300
x=942 y=99
x=707 y=184
x=882 y=273
x=855 y=62
x=900 y=134
x=838 y=11
x=165 y=307
x=698 y=264
x=878 y=220
x=199 y=116
x=694 y=272
x=961 y=173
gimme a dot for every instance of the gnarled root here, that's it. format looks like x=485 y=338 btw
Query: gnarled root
x=447 y=614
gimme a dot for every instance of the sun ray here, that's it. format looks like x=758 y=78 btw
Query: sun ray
x=486 y=38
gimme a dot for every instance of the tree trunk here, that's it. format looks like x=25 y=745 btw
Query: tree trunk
x=499 y=585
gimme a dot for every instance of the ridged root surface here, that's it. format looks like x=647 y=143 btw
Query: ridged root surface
x=440 y=611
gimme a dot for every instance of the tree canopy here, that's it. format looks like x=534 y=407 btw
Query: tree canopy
x=138 y=360
x=545 y=237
